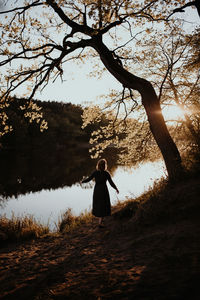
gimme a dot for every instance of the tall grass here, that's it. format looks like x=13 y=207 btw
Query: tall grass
x=69 y=222
x=27 y=227
x=165 y=202
x=21 y=228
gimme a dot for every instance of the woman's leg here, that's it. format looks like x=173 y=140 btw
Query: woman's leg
x=101 y=221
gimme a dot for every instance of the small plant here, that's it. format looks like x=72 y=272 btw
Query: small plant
x=68 y=221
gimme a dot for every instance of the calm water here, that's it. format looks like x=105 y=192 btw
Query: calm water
x=46 y=188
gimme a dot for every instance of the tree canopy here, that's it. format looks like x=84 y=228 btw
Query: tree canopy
x=40 y=38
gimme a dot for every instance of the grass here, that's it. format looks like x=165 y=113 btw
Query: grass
x=69 y=222
x=164 y=202
x=27 y=227
x=21 y=228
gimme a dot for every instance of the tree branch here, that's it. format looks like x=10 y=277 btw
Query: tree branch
x=111 y=25
x=195 y=3
x=25 y=51
x=23 y=8
x=126 y=78
x=75 y=26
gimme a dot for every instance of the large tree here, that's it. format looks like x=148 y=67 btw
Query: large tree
x=174 y=70
x=38 y=37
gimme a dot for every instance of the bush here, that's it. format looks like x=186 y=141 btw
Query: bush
x=69 y=222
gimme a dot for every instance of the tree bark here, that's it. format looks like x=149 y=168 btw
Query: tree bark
x=160 y=132
x=151 y=104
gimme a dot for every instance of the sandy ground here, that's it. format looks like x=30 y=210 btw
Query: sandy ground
x=116 y=262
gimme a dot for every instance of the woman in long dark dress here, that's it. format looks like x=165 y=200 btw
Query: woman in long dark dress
x=101 y=206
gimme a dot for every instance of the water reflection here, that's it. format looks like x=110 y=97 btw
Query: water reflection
x=46 y=184
x=22 y=173
x=136 y=180
x=36 y=170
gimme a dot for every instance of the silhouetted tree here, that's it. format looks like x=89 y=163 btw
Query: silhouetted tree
x=66 y=29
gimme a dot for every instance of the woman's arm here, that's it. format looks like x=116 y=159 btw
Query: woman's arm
x=112 y=183
x=88 y=178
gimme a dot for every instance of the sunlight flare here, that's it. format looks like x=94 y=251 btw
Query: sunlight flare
x=173 y=113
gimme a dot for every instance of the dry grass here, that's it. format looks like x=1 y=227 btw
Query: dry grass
x=21 y=228
x=130 y=207
x=164 y=202
x=69 y=222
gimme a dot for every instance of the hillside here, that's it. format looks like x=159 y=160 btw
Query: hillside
x=149 y=250
x=63 y=120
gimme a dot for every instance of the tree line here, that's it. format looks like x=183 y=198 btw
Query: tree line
x=63 y=125
x=64 y=128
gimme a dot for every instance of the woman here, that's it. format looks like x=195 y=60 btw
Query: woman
x=101 y=206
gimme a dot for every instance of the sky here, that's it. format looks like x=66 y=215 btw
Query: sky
x=78 y=87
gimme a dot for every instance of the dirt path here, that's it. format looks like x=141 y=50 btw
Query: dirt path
x=109 y=263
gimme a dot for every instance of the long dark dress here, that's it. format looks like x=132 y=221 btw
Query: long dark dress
x=101 y=206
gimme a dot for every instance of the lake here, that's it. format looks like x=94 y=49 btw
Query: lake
x=45 y=187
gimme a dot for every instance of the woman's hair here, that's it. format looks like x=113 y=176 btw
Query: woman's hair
x=101 y=165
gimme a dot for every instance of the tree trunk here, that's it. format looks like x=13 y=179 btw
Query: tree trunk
x=160 y=132
x=151 y=104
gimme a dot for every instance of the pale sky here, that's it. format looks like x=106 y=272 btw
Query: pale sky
x=78 y=87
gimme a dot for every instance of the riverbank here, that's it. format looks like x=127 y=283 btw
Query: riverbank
x=149 y=249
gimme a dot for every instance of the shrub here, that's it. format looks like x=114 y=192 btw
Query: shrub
x=68 y=221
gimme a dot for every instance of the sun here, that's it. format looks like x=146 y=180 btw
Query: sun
x=173 y=113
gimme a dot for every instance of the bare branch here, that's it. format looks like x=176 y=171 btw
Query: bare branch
x=169 y=66
x=25 y=51
x=195 y=3
x=193 y=87
x=132 y=38
x=111 y=25
x=17 y=76
x=75 y=26
x=23 y=8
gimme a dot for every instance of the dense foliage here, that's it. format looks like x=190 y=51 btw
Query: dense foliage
x=62 y=125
